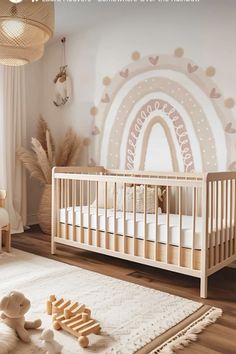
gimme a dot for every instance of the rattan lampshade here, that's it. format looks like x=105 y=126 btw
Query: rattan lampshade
x=25 y=27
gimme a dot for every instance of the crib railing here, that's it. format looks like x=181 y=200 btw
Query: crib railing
x=79 y=190
x=208 y=200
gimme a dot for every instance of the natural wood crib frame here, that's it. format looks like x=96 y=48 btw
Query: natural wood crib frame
x=212 y=196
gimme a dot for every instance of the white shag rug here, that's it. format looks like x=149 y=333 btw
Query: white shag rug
x=130 y=315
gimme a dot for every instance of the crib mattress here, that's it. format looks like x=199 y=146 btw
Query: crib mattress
x=186 y=239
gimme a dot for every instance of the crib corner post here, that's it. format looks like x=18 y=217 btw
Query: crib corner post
x=204 y=250
x=53 y=216
x=53 y=247
x=203 y=286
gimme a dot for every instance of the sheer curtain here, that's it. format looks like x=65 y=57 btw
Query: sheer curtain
x=13 y=135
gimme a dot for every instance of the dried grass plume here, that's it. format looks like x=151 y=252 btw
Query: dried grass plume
x=43 y=157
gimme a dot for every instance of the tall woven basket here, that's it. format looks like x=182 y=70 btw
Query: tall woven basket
x=44 y=212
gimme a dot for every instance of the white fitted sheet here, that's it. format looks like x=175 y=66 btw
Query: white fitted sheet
x=151 y=225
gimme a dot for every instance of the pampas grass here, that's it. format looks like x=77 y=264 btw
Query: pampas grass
x=30 y=163
x=70 y=149
x=40 y=161
x=42 y=130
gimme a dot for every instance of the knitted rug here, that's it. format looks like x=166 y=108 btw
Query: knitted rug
x=134 y=319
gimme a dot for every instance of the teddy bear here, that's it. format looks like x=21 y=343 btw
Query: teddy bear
x=50 y=344
x=14 y=306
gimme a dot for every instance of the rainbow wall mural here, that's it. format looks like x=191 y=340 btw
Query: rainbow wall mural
x=164 y=112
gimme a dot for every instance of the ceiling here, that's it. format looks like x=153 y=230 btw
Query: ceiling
x=71 y=17
x=75 y=15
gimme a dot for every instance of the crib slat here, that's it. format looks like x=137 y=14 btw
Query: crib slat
x=222 y=222
x=217 y=222
x=114 y=239
x=145 y=223
x=81 y=211
x=97 y=231
x=230 y=219
x=89 y=212
x=66 y=206
x=167 y=222
x=124 y=218
x=211 y=224
x=73 y=191
x=156 y=222
x=185 y=205
x=62 y=193
x=194 y=201
x=106 y=234
x=180 y=225
x=58 y=207
x=134 y=214
x=226 y=222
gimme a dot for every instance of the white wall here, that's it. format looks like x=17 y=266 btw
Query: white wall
x=206 y=30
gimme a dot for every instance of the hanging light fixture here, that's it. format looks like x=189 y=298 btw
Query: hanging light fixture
x=25 y=27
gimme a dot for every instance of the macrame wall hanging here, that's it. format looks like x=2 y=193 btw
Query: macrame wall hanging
x=62 y=81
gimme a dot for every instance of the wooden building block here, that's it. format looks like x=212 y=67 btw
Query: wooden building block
x=73 y=317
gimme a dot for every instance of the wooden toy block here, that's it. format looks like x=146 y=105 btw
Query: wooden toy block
x=74 y=318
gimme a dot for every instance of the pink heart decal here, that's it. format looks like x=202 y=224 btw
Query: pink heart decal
x=215 y=94
x=106 y=98
x=192 y=68
x=95 y=130
x=232 y=166
x=229 y=129
x=153 y=60
x=124 y=73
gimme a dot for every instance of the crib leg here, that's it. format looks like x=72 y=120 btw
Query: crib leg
x=53 y=247
x=203 y=287
x=7 y=238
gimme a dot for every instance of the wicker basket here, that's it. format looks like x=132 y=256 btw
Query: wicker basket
x=44 y=212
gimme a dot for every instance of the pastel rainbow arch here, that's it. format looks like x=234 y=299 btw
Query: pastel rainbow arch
x=178 y=96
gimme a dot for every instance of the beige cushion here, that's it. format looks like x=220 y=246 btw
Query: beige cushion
x=4 y=217
x=150 y=206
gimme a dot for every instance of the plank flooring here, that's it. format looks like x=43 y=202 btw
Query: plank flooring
x=219 y=338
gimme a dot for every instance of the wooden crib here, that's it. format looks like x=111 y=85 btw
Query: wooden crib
x=194 y=234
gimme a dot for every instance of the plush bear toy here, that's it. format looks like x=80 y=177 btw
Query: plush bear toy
x=14 y=306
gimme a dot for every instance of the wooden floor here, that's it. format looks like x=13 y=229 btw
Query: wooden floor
x=218 y=338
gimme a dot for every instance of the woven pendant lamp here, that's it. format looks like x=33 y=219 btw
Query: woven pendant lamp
x=25 y=27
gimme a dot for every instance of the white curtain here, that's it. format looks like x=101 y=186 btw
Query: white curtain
x=13 y=135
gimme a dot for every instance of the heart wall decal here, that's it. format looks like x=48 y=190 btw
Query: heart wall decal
x=153 y=60
x=192 y=68
x=95 y=130
x=106 y=98
x=229 y=128
x=124 y=73
x=214 y=93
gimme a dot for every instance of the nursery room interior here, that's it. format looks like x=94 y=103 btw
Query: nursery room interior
x=117 y=177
